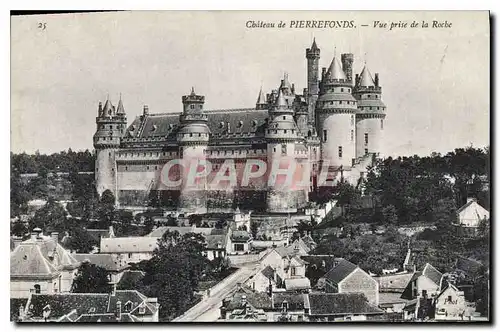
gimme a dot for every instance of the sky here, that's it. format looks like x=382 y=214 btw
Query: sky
x=435 y=81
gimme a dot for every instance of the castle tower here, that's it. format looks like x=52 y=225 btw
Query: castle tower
x=281 y=135
x=335 y=114
x=261 y=101
x=371 y=113
x=347 y=60
x=111 y=125
x=312 y=56
x=192 y=137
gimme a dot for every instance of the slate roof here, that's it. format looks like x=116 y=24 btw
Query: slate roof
x=430 y=272
x=340 y=271
x=128 y=244
x=245 y=120
x=268 y=272
x=105 y=261
x=297 y=283
x=285 y=251
x=27 y=260
x=295 y=301
x=396 y=282
x=365 y=78
x=341 y=303
x=390 y=298
x=256 y=300
x=73 y=305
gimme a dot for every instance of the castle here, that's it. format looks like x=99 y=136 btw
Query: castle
x=335 y=124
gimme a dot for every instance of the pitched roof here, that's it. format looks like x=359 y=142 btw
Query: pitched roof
x=257 y=300
x=105 y=261
x=268 y=272
x=430 y=272
x=97 y=234
x=120 y=109
x=262 y=98
x=314 y=47
x=27 y=260
x=329 y=261
x=296 y=301
x=297 y=283
x=340 y=271
x=128 y=244
x=390 y=298
x=341 y=303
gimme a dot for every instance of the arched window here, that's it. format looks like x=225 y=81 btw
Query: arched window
x=37 y=288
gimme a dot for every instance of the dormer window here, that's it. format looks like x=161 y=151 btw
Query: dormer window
x=142 y=310
x=240 y=124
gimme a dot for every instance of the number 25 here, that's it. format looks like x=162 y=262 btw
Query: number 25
x=42 y=26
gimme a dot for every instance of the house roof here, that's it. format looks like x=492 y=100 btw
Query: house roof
x=27 y=260
x=240 y=236
x=128 y=244
x=97 y=234
x=390 y=298
x=296 y=301
x=87 y=304
x=256 y=300
x=297 y=283
x=341 y=303
x=105 y=261
x=285 y=251
x=432 y=273
x=107 y=318
x=340 y=271
x=268 y=272
x=393 y=282
x=213 y=241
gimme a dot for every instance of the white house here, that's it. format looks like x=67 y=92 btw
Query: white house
x=470 y=215
x=131 y=249
x=450 y=304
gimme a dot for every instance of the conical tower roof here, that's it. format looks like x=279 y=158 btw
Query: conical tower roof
x=335 y=71
x=262 y=98
x=314 y=47
x=120 y=109
x=365 y=78
x=281 y=101
x=108 y=107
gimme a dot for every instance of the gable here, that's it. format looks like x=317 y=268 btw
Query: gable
x=359 y=278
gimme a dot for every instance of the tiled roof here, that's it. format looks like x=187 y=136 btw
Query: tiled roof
x=335 y=70
x=295 y=300
x=396 y=282
x=340 y=271
x=285 y=251
x=430 y=272
x=105 y=261
x=390 y=298
x=128 y=244
x=297 y=283
x=27 y=260
x=268 y=272
x=341 y=303
x=107 y=318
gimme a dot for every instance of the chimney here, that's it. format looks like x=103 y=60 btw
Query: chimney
x=145 y=110
x=55 y=236
x=118 y=311
x=376 y=79
x=17 y=241
x=293 y=88
x=33 y=236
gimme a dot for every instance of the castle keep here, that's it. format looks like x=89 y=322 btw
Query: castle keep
x=336 y=124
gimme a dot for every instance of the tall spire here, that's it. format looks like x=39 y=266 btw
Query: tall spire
x=281 y=101
x=120 y=109
x=314 y=47
x=261 y=100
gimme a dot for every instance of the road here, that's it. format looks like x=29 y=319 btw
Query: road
x=208 y=309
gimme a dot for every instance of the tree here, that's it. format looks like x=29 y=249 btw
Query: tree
x=91 y=279
x=390 y=215
x=106 y=210
x=81 y=241
x=50 y=217
x=254 y=229
x=149 y=224
x=19 y=229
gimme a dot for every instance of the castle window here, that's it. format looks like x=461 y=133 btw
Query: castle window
x=109 y=154
x=366 y=151
x=156 y=168
x=325 y=136
x=352 y=135
x=341 y=89
x=382 y=124
x=366 y=138
x=376 y=97
x=340 y=102
x=190 y=134
x=340 y=152
x=126 y=168
x=110 y=126
x=349 y=90
x=191 y=107
x=285 y=131
x=284 y=118
x=369 y=96
x=274 y=149
x=147 y=167
x=37 y=288
x=352 y=120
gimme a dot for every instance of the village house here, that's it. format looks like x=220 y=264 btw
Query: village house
x=346 y=277
x=266 y=280
x=450 y=304
x=119 y=306
x=426 y=283
x=127 y=250
x=41 y=265
x=469 y=218
x=327 y=307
